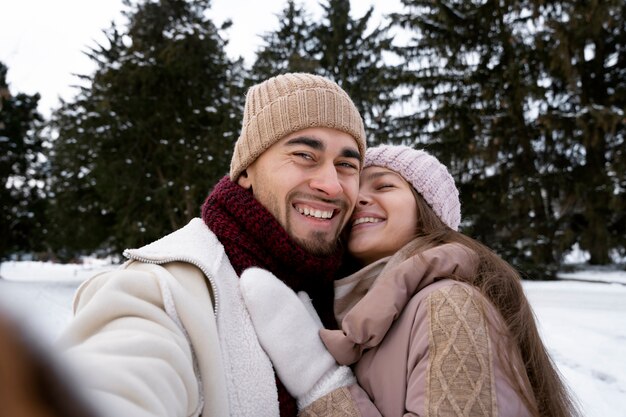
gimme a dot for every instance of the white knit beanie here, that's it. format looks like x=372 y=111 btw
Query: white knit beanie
x=426 y=174
x=287 y=103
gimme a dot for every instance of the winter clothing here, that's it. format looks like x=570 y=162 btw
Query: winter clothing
x=305 y=378
x=426 y=174
x=427 y=344
x=252 y=237
x=146 y=342
x=422 y=341
x=144 y=337
x=289 y=333
x=287 y=103
x=168 y=333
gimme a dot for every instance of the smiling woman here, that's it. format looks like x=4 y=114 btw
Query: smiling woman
x=434 y=323
x=376 y=227
x=431 y=280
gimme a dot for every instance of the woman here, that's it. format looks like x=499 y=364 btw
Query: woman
x=434 y=322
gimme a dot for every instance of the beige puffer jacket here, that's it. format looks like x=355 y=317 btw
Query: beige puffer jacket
x=428 y=346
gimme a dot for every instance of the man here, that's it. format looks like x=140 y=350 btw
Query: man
x=168 y=334
x=32 y=383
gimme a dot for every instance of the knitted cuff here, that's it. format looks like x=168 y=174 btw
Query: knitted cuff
x=336 y=377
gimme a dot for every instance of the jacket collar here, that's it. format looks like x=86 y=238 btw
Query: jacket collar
x=194 y=243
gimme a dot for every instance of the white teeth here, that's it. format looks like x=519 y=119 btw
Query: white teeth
x=319 y=214
x=366 y=220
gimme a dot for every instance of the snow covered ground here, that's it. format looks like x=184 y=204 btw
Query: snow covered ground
x=582 y=319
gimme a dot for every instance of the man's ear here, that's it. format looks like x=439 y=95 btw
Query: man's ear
x=244 y=180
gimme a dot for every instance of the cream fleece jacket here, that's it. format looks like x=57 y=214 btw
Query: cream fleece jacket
x=167 y=334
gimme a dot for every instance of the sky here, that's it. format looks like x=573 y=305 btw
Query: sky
x=583 y=324
x=43 y=41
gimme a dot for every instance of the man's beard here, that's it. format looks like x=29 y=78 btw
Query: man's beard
x=317 y=245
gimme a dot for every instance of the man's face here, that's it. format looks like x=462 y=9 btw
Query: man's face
x=309 y=181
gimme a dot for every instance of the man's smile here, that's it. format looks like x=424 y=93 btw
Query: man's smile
x=314 y=212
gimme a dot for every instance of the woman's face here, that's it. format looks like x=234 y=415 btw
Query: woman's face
x=385 y=217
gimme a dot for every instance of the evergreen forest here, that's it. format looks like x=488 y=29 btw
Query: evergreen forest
x=523 y=100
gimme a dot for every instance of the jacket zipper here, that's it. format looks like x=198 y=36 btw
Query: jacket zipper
x=129 y=255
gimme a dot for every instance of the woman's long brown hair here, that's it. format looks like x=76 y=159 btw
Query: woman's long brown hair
x=500 y=283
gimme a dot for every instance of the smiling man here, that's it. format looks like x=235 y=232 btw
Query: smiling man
x=168 y=334
x=309 y=182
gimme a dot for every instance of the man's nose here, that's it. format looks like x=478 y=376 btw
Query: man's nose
x=326 y=180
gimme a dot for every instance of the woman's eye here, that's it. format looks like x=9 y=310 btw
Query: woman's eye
x=384 y=186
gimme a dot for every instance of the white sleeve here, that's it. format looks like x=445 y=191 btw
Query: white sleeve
x=129 y=355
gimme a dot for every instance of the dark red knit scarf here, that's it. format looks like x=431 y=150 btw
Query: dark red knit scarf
x=253 y=237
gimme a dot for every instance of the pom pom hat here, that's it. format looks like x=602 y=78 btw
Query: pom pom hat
x=287 y=103
x=426 y=174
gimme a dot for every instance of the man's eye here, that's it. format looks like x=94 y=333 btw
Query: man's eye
x=303 y=155
x=347 y=165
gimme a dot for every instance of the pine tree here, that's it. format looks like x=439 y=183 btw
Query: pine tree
x=341 y=48
x=288 y=49
x=472 y=76
x=495 y=99
x=475 y=79
x=585 y=45
x=20 y=185
x=143 y=142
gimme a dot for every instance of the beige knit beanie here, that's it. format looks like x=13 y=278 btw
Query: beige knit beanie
x=287 y=103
